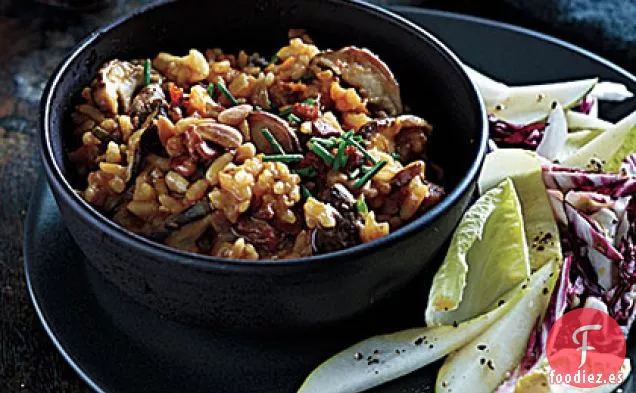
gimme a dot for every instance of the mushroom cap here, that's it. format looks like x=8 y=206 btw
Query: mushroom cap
x=364 y=70
x=115 y=85
x=279 y=128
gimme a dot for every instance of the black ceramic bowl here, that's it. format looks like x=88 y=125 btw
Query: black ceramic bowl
x=265 y=294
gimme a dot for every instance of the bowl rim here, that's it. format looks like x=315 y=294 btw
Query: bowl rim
x=108 y=227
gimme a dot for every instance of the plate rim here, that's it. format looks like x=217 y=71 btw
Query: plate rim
x=41 y=184
x=519 y=29
x=29 y=223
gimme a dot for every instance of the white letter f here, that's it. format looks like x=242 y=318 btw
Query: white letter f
x=584 y=347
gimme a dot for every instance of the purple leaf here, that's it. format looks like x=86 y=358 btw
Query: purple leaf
x=511 y=135
x=589 y=233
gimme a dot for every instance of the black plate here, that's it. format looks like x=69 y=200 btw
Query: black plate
x=118 y=346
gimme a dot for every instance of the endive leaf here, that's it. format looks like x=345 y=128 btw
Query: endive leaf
x=482 y=365
x=608 y=146
x=380 y=359
x=581 y=121
x=489 y=249
x=575 y=141
x=496 y=259
x=524 y=168
x=530 y=104
x=490 y=90
x=611 y=91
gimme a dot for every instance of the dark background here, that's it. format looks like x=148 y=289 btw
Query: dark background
x=35 y=37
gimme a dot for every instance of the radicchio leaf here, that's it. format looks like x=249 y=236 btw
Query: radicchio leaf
x=589 y=233
x=589 y=105
x=589 y=202
x=597 y=215
x=556 y=202
x=511 y=135
x=603 y=267
x=565 y=179
x=628 y=166
x=620 y=299
x=556 y=309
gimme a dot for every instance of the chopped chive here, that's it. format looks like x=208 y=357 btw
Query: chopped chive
x=358 y=138
x=306 y=192
x=102 y=134
x=293 y=118
x=340 y=160
x=395 y=155
x=287 y=111
x=274 y=59
x=309 y=101
x=362 y=150
x=227 y=93
x=323 y=141
x=376 y=168
x=353 y=174
x=345 y=160
x=321 y=152
x=283 y=157
x=272 y=141
x=361 y=205
x=147 y=65
x=306 y=172
x=211 y=90
x=365 y=168
x=329 y=143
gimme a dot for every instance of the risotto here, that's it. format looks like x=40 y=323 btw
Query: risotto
x=239 y=156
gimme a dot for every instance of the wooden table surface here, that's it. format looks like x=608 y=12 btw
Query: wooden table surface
x=33 y=40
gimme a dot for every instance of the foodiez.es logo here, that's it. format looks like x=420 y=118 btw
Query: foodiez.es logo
x=585 y=348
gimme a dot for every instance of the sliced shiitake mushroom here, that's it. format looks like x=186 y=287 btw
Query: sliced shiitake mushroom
x=145 y=139
x=260 y=95
x=365 y=71
x=345 y=234
x=435 y=194
x=393 y=125
x=185 y=238
x=412 y=139
x=115 y=85
x=103 y=135
x=193 y=213
x=283 y=133
x=146 y=101
x=406 y=174
x=339 y=197
x=375 y=126
x=409 y=132
x=133 y=154
x=411 y=121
